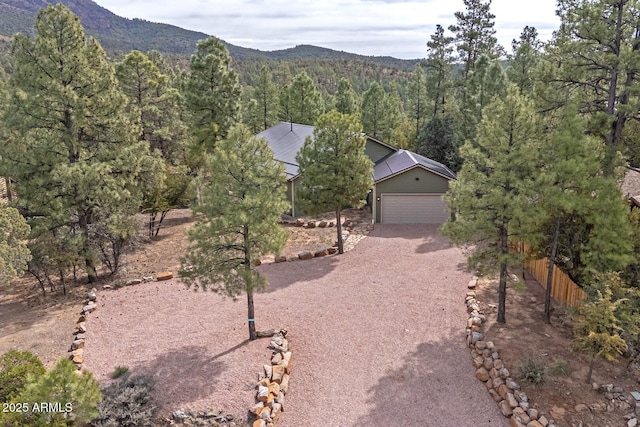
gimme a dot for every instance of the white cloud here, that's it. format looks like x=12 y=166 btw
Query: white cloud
x=370 y=27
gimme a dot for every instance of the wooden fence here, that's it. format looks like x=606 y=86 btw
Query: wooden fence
x=563 y=289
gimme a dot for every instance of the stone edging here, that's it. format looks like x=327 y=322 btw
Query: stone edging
x=77 y=346
x=506 y=392
x=273 y=383
x=513 y=403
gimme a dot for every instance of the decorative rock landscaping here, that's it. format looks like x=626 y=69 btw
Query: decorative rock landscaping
x=514 y=403
x=273 y=383
x=77 y=346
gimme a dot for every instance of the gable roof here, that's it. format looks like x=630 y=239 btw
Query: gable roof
x=285 y=140
x=402 y=160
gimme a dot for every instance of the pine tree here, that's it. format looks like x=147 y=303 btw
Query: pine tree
x=570 y=187
x=596 y=60
x=374 y=111
x=266 y=96
x=346 y=98
x=212 y=95
x=154 y=103
x=597 y=332
x=305 y=101
x=439 y=70
x=417 y=102
x=334 y=170
x=75 y=154
x=77 y=395
x=524 y=59
x=490 y=197
x=437 y=140
x=474 y=34
x=14 y=253
x=239 y=208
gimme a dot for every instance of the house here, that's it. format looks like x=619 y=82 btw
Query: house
x=407 y=187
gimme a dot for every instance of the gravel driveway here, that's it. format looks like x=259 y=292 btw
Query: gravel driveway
x=377 y=337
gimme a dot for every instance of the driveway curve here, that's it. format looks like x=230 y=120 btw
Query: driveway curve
x=379 y=335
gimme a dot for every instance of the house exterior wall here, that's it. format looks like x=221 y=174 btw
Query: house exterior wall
x=406 y=183
x=376 y=151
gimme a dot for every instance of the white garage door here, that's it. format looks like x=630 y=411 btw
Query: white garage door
x=413 y=209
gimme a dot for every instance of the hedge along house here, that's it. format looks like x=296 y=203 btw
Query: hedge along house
x=407 y=188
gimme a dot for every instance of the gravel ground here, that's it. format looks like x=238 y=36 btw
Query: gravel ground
x=377 y=336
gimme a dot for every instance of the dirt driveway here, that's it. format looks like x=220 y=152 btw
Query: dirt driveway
x=377 y=336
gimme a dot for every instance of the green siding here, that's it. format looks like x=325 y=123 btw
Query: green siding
x=376 y=151
x=427 y=183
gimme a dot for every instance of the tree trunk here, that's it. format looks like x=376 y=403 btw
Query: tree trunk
x=524 y=261
x=339 y=229
x=552 y=261
x=251 y=319
x=593 y=360
x=247 y=266
x=502 y=290
x=8 y=185
x=92 y=276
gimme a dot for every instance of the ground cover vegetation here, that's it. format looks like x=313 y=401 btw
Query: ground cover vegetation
x=539 y=137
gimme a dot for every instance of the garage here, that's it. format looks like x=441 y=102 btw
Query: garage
x=408 y=189
x=413 y=209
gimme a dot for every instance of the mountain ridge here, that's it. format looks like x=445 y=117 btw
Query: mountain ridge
x=121 y=35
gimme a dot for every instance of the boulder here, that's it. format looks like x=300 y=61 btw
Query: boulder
x=281 y=259
x=257 y=408
x=475 y=337
x=165 y=275
x=91 y=295
x=558 y=412
x=322 y=224
x=274 y=388
x=259 y=423
x=505 y=408
x=472 y=284
x=276 y=359
x=331 y=224
x=504 y=373
x=76 y=344
x=512 y=384
x=81 y=328
x=286 y=362
x=512 y=401
x=263 y=394
x=284 y=383
x=89 y=308
x=482 y=374
x=535 y=423
x=82 y=318
x=494 y=395
x=321 y=253
x=277 y=373
x=513 y=422
x=533 y=413
x=299 y=222
x=311 y=224
x=488 y=363
x=268 y=371
x=347 y=223
x=520 y=415
x=498 y=364
x=107 y=287
x=276 y=409
x=257 y=263
x=305 y=255
x=132 y=282
x=544 y=421
x=332 y=251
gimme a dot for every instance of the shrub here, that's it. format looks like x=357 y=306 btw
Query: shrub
x=532 y=370
x=127 y=402
x=559 y=367
x=70 y=398
x=16 y=369
x=119 y=371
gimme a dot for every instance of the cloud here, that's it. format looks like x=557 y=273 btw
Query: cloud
x=397 y=28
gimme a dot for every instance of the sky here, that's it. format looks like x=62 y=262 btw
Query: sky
x=398 y=28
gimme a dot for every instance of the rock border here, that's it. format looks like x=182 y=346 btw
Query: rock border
x=513 y=403
x=273 y=382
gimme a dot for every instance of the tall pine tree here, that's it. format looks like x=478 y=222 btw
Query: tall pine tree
x=241 y=202
x=335 y=171
x=491 y=195
x=75 y=152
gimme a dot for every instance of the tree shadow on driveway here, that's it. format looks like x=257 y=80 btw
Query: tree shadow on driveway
x=183 y=375
x=435 y=386
x=282 y=275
